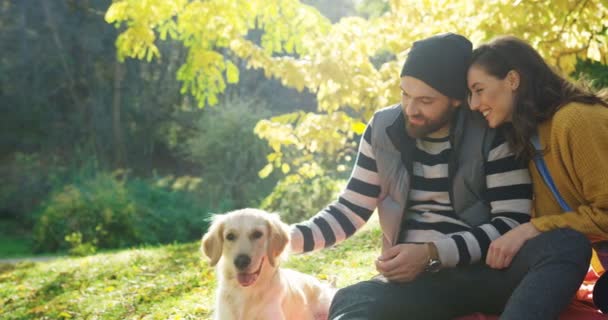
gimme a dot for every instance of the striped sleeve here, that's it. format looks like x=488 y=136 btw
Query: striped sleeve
x=349 y=212
x=509 y=193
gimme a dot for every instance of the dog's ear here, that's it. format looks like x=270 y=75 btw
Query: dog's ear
x=213 y=240
x=278 y=237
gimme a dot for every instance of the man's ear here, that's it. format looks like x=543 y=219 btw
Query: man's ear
x=213 y=240
x=278 y=237
x=513 y=78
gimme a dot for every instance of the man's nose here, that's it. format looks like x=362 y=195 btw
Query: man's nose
x=410 y=109
x=242 y=261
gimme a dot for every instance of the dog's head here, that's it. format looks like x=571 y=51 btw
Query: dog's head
x=245 y=239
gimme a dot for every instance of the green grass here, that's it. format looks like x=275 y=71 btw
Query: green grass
x=169 y=282
x=11 y=247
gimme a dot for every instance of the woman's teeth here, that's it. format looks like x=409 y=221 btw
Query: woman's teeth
x=486 y=113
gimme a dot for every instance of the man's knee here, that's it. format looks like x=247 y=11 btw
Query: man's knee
x=341 y=298
x=354 y=302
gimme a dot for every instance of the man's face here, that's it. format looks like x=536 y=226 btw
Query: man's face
x=428 y=112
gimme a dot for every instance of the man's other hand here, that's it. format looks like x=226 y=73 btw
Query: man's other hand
x=403 y=262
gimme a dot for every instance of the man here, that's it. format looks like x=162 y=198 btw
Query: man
x=445 y=186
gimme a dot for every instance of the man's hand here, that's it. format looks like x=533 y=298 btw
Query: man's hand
x=503 y=249
x=403 y=262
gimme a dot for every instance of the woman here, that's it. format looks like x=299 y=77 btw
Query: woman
x=514 y=88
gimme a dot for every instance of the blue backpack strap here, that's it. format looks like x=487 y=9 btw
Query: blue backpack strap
x=544 y=172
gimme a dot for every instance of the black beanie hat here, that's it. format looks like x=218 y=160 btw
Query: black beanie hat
x=441 y=61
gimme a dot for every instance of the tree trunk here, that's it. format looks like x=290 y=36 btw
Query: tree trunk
x=79 y=103
x=119 y=145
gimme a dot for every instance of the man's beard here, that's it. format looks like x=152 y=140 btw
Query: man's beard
x=429 y=126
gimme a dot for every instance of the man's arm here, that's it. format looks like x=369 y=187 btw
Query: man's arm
x=350 y=212
x=509 y=192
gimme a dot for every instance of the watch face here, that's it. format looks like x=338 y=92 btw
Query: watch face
x=433 y=266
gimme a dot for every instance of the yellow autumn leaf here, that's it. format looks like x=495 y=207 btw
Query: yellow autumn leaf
x=358 y=127
x=116 y=12
x=232 y=72
x=266 y=171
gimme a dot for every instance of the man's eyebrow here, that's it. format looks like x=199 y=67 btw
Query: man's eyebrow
x=423 y=97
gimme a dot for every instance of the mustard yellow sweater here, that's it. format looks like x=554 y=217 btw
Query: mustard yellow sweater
x=576 y=139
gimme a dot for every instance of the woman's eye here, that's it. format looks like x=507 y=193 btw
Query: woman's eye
x=256 y=235
x=230 y=237
x=478 y=91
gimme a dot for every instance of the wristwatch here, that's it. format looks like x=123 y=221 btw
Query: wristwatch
x=434 y=263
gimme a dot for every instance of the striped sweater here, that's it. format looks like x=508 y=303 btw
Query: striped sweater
x=429 y=216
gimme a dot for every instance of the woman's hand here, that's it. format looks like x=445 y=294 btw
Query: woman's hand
x=503 y=249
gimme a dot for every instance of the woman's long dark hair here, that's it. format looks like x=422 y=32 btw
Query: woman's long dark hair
x=541 y=90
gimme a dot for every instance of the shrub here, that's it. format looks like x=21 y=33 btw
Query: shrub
x=168 y=210
x=77 y=247
x=99 y=209
x=296 y=198
x=108 y=212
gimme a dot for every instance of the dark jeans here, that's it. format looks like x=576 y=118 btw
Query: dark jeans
x=541 y=281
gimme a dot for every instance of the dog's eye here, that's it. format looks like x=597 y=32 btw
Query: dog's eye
x=230 y=237
x=256 y=235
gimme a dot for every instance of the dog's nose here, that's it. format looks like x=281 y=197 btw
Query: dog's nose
x=242 y=261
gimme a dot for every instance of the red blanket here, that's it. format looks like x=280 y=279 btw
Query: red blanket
x=581 y=308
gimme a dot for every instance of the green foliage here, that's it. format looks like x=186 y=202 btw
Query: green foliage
x=168 y=209
x=296 y=199
x=593 y=71
x=108 y=211
x=77 y=248
x=100 y=209
x=169 y=282
x=229 y=153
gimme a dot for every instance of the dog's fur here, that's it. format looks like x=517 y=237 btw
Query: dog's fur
x=258 y=239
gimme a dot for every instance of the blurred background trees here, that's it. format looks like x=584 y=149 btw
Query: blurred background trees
x=127 y=122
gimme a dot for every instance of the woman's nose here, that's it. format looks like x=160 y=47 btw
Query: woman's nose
x=473 y=103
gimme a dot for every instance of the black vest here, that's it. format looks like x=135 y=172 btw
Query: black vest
x=471 y=141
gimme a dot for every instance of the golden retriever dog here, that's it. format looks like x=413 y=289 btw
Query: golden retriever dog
x=246 y=245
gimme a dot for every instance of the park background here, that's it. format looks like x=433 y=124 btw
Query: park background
x=125 y=124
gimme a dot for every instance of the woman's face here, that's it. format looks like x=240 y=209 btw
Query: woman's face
x=493 y=97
